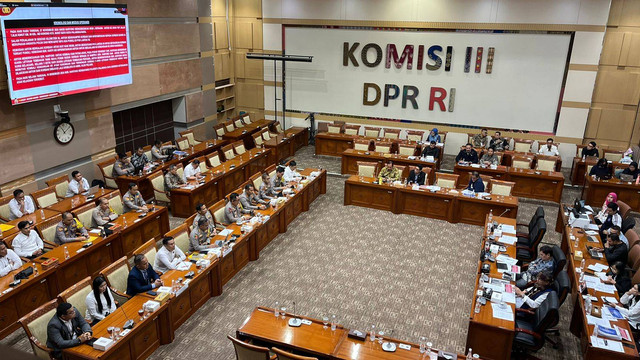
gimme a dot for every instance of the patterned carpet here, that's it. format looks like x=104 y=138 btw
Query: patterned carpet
x=410 y=275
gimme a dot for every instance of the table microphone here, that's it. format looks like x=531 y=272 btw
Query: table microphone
x=294 y=321
x=504 y=212
x=129 y=323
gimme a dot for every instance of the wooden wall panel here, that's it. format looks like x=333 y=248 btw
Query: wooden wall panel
x=179 y=75
x=162 y=8
x=218 y=8
x=17 y=160
x=156 y=40
x=101 y=131
x=612 y=47
x=146 y=84
x=221 y=40
x=11 y=116
x=194 y=106
x=244 y=35
x=621 y=120
x=618 y=87
x=630 y=54
x=250 y=94
x=630 y=15
x=247 y=8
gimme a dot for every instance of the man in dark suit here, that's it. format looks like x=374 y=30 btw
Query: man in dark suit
x=468 y=154
x=475 y=183
x=67 y=329
x=416 y=176
x=142 y=277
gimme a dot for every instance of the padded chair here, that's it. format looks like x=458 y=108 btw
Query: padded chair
x=546 y=163
x=352 y=129
x=183 y=143
x=373 y=132
x=106 y=168
x=632 y=237
x=238 y=123
x=391 y=133
x=633 y=258
x=562 y=287
x=181 y=236
x=217 y=210
x=5 y=211
x=76 y=295
x=115 y=203
x=278 y=127
x=407 y=150
x=368 y=169
x=190 y=137
x=213 y=159
x=148 y=249
x=85 y=214
x=116 y=276
x=522 y=145
x=61 y=184
x=414 y=135
x=47 y=229
x=219 y=129
x=530 y=332
x=246 y=351
x=266 y=135
x=384 y=148
x=521 y=162
x=35 y=324
x=228 y=126
x=613 y=155
x=625 y=209
x=45 y=197
x=283 y=355
x=361 y=144
x=157 y=182
x=203 y=164
x=246 y=118
x=147 y=152
x=334 y=129
x=527 y=247
x=539 y=214
x=190 y=220
x=446 y=180
x=258 y=140
x=427 y=171
x=500 y=187
x=228 y=152
x=559 y=259
x=239 y=148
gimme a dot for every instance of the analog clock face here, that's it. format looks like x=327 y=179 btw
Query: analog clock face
x=64 y=133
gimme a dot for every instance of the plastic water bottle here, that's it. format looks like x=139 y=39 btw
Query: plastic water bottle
x=66 y=252
x=42 y=214
x=35 y=269
x=276 y=307
x=491 y=215
x=470 y=355
x=372 y=333
x=124 y=222
x=477 y=309
x=587 y=305
x=582 y=263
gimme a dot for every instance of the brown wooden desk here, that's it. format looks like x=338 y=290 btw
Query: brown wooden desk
x=244 y=134
x=579 y=326
x=285 y=145
x=139 y=230
x=36 y=218
x=74 y=202
x=145 y=337
x=442 y=204
x=499 y=173
x=543 y=185
x=489 y=337
x=509 y=154
x=579 y=169
x=262 y=327
x=595 y=192
x=350 y=158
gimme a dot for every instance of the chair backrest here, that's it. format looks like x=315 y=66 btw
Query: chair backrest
x=147 y=152
x=228 y=126
x=217 y=210
x=116 y=274
x=258 y=139
x=559 y=259
x=5 y=211
x=203 y=164
x=500 y=187
x=85 y=214
x=35 y=324
x=278 y=127
x=266 y=135
x=334 y=129
x=351 y=129
x=106 y=168
x=384 y=148
x=213 y=159
x=219 y=130
x=256 y=180
x=45 y=197
x=360 y=144
x=371 y=131
x=238 y=123
x=76 y=295
x=391 y=133
x=539 y=214
x=521 y=162
x=61 y=184
x=624 y=209
x=633 y=259
x=190 y=137
x=537 y=234
x=446 y=180
x=246 y=351
x=562 y=286
x=148 y=249
x=427 y=171
x=181 y=236
x=546 y=163
x=522 y=145
x=157 y=183
x=632 y=237
x=613 y=155
x=183 y=143
x=239 y=147
x=414 y=135
x=246 y=118
x=228 y=152
x=283 y=355
x=546 y=316
x=47 y=228
x=369 y=169
x=407 y=150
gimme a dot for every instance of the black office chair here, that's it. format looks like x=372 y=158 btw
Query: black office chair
x=559 y=259
x=530 y=333
x=562 y=287
x=537 y=215
x=627 y=224
x=527 y=247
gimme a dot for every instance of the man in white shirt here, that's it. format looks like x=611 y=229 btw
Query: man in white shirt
x=549 y=149
x=9 y=260
x=27 y=243
x=20 y=205
x=169 y=256
x=290 y=173
x=192 y=171
x=78 y=185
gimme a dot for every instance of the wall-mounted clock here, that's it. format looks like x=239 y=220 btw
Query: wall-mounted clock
x=64 y=132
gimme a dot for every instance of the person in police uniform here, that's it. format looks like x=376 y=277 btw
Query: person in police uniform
x=68 y=231
x=123 y=166
x=389 y=172
x=203 y=213
x=102 y=214
x=250 y=200
x=133 y=200
x=266 y=190
x=172 y=180
x=200 y=237
x=278 y=183
x=233 y=211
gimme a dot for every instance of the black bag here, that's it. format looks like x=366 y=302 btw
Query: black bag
x=24 y=274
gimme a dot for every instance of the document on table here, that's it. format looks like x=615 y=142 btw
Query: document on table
x=610 y=299
x=503 y=313
x=597 y=267
x=606 y=344
x=506 y=259
x=592 y=320
x=606 y=288
x=509 y=240
x=591 y=281
x=509 y=229
x=591 y=227
x=225 y=232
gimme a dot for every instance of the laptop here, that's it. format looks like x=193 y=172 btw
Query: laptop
x=626 y=177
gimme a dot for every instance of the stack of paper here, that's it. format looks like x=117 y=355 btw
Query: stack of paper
x=509 y=240
x=592 y=320
x=508 y=229
x=597 y=267
x=606 y=288
x=607 y=344
x=503 y=313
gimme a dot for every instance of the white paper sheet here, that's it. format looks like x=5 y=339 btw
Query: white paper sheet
x=508 y=229
x=509 y=240
x=607 y=344
x=592 y=320
x=502 y=313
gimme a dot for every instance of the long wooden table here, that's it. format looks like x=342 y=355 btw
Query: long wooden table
x=136 y=231
x=595 y=191
x=218 y=182
x=529 y=183
x=579 y=326
x=74 y=202
x=443 y=204
x=263 y=328
x=245 y=134
x=285 y=145
x=579 y=170
x=490 y=337
x=36 y=218
x=351 y=157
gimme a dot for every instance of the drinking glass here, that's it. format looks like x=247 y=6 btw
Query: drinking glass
x=372 y=333
x=380 y=338
x=276 y=308
x=334 y=325
x=116 y=333
x=283 y=311
x=422 y=342
x=146 y=312
x=429 y=346
x=110 y=332
x=325 y=321
x=141 y=314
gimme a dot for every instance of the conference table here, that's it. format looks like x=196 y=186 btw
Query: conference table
x=36 y=218
x=489 y=336
x=245 y=133
x=579 y=169
x=218 y=181
x=508 y=155
x=351 y=157
x=135 y=230
x=263 y=328
x=444 y=204
x=286 y=144
x=529 y=183
x=580 y=325
x=76 y=201
x=595 y=192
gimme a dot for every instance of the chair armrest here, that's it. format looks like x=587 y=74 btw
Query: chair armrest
x=535 y=335
x=522 y=234
x=48 y=244
x=518 y=247
x=525 y=311
x=4 y=219
x=37 y=343
x=118 y=293
x=273 y=357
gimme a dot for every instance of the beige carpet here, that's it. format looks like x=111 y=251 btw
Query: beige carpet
x=408 y=274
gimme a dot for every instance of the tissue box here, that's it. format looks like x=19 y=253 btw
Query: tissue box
x=162 y=297
x=203 y=263
x=578 y=256
x=103 y=344
x=152 y=305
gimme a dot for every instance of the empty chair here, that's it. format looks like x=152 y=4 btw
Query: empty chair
x=266 y=135
x=35 y=324
x=246 y=351
x=61 y=184
x=521 y=162
x=258 y=140
x=238 y=123
x=190 y=137
x=283 y=355
x=351 y=129
x=5 y=211
x=407 y=150
x=183 y=143
x=246 y=118
x=371 y=131
x=446 y=180
x=546 y=163
x=559 y=259
x=368 y=169
x=625 y=209
x=384 y=148
x=219 y=130
x=527 y=247
x=360 y=144
x=334 y=128
x=392 y=133
x=213 y=159
x=499 y=187
x=228 y=126
x=522 y=145
x=278 y=127
x=632 y=238
x=45 y=197
x=414 y=135
x=239 y=148
x=534 y=219
x=228 y=152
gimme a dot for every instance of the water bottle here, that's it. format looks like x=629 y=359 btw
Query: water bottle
x=491 y=215
x=124 y=222
x=587 y=305
x=477 y=309
x=35 y=269
x=470 y=355
x=275 y=309
x=66 y=252
x=481 y=283
x=584 y=157
x=42 y=214
x=582 y=265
